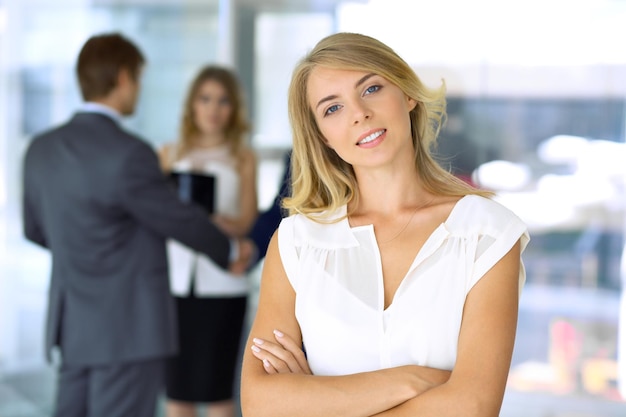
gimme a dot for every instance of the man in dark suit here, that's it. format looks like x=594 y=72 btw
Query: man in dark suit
x=94 y=195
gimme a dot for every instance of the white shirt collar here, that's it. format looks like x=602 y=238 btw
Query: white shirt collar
x=93 y=107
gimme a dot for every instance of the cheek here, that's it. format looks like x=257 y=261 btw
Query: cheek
x=324 y=139
x=329 y=132
x=227 y=112
x=196 y=110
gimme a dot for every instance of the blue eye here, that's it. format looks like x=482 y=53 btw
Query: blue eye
x=372 y=89
x=332 y=109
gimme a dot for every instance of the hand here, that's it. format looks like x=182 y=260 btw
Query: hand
x=282 y=357
x=247 y=255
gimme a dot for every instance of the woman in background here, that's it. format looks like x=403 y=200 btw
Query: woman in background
x=392 y=288
x=211 y=302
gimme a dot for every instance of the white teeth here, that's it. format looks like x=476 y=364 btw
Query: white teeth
x=371 y=137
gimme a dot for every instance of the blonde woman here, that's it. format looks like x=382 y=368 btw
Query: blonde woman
x=392 y=288
x=211 y=302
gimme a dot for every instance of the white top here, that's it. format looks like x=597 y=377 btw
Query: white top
x=336 y=273
x=210 y=279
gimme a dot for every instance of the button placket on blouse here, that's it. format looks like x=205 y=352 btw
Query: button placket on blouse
x=385 y=339
x=383 y=316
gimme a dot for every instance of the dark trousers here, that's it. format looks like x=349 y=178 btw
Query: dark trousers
x=122 y=390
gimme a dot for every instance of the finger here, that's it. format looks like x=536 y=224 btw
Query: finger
x=296 y=350
x=271 y=364
x=269 y=368
x=282 y=359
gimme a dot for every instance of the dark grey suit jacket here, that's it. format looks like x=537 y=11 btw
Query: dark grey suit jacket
x=95 y=196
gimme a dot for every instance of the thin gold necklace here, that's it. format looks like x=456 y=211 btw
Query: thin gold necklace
x=408 y=222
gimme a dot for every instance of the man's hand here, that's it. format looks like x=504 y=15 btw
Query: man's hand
x=247 y=255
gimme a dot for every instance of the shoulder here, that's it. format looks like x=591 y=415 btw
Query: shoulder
x=491 y=207
x=43 y=141
x=49 y=135
x=301 y=238
x=134 y=149
x=332 y=231
x=481 y=215
x=37 y=149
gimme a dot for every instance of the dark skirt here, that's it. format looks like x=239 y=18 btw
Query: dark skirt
x=210 y=332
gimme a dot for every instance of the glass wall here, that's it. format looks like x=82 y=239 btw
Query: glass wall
x=537 y=112
x=39 y=43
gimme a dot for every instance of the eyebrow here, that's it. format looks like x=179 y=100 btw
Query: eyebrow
x=356 y=85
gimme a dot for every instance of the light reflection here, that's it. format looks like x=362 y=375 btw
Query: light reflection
x=3 y=20
x=525 y=33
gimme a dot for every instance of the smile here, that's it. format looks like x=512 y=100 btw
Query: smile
x=371 y=137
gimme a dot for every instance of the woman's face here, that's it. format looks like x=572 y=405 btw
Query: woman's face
x=212 y=108
x=362 y=116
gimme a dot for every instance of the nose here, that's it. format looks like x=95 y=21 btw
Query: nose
x=361 y=113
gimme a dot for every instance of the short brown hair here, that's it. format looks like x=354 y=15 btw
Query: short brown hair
x=100 y=61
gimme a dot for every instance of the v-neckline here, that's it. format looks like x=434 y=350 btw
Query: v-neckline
x=432 y=242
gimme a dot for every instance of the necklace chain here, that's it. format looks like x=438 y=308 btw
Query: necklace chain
x=408 y=222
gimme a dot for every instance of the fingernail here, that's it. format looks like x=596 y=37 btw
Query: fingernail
x=266 y=363
x=255 y=348
x=257 y=341
x=278 y=333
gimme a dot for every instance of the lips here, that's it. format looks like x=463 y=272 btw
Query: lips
x=372 y=136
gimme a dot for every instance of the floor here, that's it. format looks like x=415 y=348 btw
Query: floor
x=535 y=389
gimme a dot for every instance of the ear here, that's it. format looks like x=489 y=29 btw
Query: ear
x=411 y=103
x=123 y=77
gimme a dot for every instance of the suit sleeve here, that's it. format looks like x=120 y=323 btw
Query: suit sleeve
x=146 y=194
x=32 y=222
x=268 y=221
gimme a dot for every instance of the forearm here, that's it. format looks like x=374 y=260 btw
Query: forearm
x=450 y=400
x=234 y=226
x=357 y=395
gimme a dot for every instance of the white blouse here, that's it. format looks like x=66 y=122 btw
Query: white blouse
x=336 y=273
x=186 y=265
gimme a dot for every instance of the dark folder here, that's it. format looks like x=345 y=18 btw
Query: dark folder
x=199 y=188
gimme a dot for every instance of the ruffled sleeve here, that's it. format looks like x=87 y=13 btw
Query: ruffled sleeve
x=299 y=236
x=287 y=248
x=496 y=229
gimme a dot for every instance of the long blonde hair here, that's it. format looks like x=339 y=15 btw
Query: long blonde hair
x=321 y=180
x=238 y=124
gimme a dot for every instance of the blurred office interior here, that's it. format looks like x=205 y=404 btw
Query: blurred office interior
x=537 y=112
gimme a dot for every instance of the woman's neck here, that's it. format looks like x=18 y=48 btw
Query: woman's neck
x=390 y=191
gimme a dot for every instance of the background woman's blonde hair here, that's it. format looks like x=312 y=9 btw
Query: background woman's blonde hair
x=238 y=124
x=321 y=180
